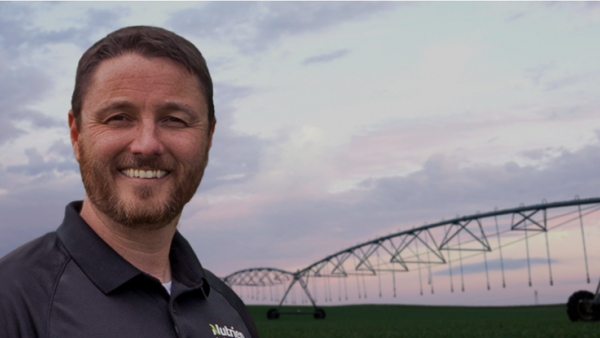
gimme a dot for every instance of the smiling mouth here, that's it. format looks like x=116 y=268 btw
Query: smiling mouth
x=146 y=174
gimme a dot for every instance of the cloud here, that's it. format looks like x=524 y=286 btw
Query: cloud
x=19 y=33
x=255 y=26
x=495 y=265
x=33 y=207
x=13 y=27
x=442 y=183
x=573 y=80
x=19 y=88
x=539 y=72
x=94 y=21
x=535 y=154
x=579 y=5
x=36 y=193
x=324 y=58
x=296 y=228
x=22 y=85
x=36 y=164
x=234 y=157
x=515 y=17
x=62 y=149
x=26 y=84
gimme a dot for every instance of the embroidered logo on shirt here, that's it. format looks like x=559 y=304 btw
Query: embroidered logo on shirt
x=225 y=331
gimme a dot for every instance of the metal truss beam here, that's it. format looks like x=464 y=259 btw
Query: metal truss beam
x=259 y=277
x=461 y=226
x=525 y=216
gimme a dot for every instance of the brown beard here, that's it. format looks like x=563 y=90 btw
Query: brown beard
x=102 y=191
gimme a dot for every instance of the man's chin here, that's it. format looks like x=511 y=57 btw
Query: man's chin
x=147 y=215
x=134 y=213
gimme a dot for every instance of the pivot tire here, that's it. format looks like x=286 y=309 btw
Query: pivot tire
x=272 y=314
x=319 y=313
x=579 y=307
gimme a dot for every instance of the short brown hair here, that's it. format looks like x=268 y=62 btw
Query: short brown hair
x=146 y=41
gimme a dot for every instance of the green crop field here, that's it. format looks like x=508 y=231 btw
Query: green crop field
x=425 y=321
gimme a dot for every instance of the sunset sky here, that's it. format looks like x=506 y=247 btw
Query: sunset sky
x=337 y=123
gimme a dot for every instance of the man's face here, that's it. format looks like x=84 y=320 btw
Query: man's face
x=143 y=140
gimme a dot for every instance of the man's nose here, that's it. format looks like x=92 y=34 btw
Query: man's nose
x=147 y=139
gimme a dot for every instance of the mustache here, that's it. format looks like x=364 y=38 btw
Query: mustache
x=139 y=161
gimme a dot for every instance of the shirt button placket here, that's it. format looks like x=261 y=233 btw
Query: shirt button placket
x=173 y=311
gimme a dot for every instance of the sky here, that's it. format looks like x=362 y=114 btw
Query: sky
x=337 y=123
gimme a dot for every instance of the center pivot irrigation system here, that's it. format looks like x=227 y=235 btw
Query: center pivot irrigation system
x=430 y=245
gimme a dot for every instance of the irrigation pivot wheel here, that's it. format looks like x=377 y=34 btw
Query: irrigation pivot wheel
x=319 y=313
x=273 y=314
x=579 y=307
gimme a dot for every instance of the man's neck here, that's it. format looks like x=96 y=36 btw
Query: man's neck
x=147 y=250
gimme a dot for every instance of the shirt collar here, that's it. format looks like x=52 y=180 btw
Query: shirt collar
x=185 y=266
x=107 y=269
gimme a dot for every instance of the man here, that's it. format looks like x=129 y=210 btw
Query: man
x=141 y=125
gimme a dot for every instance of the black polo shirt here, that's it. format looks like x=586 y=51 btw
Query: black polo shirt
x=71 y=284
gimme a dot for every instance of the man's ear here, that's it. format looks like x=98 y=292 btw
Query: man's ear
x=212 y=132
x=74 y=133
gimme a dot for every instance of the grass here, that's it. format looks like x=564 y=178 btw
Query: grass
x=424 y=321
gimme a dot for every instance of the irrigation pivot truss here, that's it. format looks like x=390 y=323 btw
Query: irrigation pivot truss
x=260 y=277
x=424 y=247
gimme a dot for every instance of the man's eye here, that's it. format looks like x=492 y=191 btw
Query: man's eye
x=117 y=118
x=175 y=121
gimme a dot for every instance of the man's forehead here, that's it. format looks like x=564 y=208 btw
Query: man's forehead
x=132 y=66
x=120 y=78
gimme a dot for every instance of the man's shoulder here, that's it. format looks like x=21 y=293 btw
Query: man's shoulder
x=28 y=276
x=42 y=258
x=222 y=288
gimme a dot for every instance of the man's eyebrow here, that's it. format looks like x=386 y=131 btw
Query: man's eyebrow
x=174 y=106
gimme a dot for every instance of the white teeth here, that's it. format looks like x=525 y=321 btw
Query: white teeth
x=146 y=174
